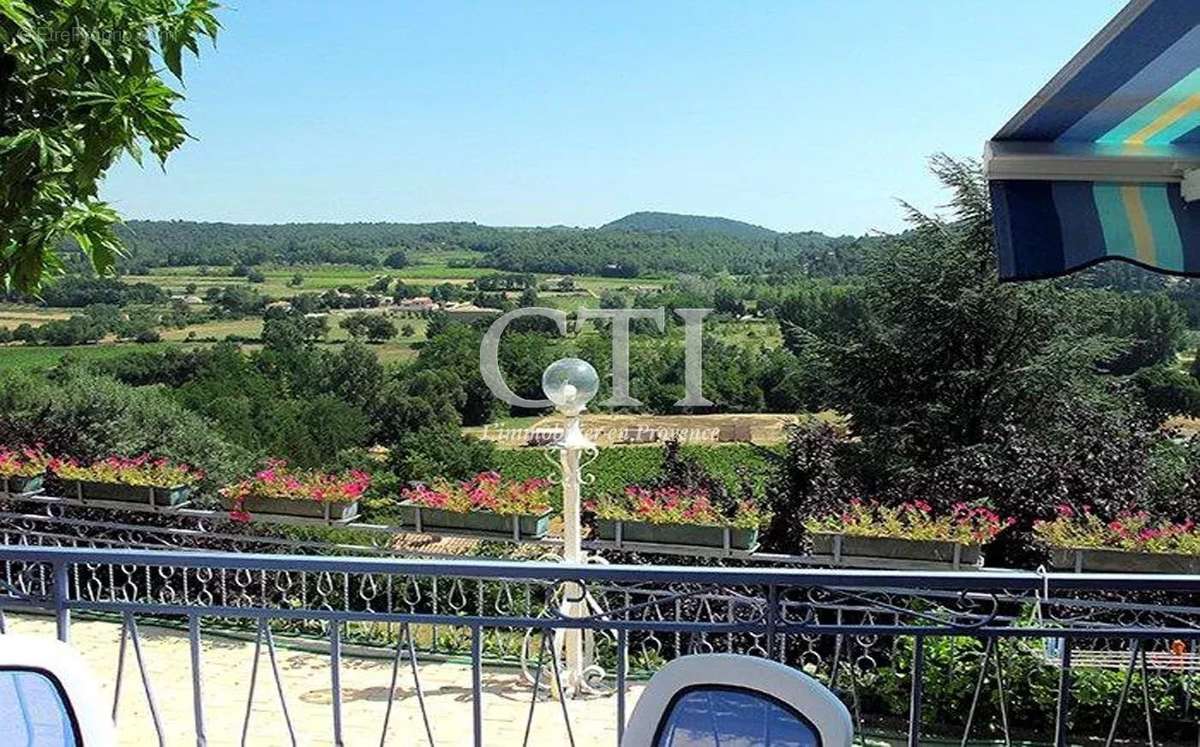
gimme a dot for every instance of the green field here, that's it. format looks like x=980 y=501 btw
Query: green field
x=14 y=315
x=426 y=272
x=28 y=357
x=429 y=268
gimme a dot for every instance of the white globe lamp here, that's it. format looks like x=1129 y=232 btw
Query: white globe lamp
x=570 y=383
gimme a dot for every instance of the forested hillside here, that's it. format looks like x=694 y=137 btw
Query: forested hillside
x=648 y=221
x=595 y=251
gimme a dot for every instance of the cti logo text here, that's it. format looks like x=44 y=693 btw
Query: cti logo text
x=693 y=321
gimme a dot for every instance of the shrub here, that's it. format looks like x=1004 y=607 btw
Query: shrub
x=952 y=667
x=441 y=452
x=1168 y=391
x=92 y=417
x=807 y=480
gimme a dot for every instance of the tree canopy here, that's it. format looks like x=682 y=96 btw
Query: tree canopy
x=80 y=86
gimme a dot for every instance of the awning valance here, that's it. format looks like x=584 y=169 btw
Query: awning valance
x=1103 y=163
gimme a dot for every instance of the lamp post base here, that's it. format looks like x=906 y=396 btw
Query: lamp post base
x=572 y=650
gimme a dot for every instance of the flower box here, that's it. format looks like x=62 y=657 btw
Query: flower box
x=847 y=546
x=1092 y=560
x=144 y=479
x=677 y=515
x=21 y=485
x=695 y=535
x=299 y=507
x=514 y=526
x=487 y=504
x=279 y=490
x=165 y=496
x=22 y=470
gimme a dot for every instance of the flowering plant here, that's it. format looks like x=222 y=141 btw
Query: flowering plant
x=1133 y=531
x=26 y=462
x=143 y=470
x=487 y=491
x=675 y=505
x=277 y=480
x=965 y=524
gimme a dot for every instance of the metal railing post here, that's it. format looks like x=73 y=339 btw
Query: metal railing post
x=62 y=613
x=335 y=670
x=477 y=683
x=1064 y=695
x=914 y=704
x=622 y=674
x=197 y=692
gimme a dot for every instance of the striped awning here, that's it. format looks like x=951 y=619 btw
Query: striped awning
x=1105 y=161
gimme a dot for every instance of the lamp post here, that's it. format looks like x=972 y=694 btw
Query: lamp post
x=570 y=384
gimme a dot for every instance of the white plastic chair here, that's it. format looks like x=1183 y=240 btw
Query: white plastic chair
x=709 y=700
x=48 y=696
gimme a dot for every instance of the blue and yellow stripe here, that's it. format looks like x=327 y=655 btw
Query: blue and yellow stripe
x=1138 y=223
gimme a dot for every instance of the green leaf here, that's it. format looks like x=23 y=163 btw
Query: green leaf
x=18 y=13
x=91 y=97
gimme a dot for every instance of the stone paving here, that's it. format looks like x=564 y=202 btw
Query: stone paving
x=306 y=683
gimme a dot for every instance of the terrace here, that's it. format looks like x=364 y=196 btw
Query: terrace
x=399 y=640
x=461 y=647
x=208 y=646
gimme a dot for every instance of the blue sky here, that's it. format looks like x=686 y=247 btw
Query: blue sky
x=803 y=115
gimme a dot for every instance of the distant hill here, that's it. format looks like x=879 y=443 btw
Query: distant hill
x=679 y=223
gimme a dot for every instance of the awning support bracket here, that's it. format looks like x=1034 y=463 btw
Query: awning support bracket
x=1093 y=162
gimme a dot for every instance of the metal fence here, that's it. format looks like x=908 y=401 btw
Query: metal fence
x=964 y=652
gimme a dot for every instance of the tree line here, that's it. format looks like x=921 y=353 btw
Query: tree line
x=605 y=251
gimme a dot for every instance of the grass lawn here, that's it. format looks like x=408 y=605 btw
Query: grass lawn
x=28 y=357
x=766 y=334
x=251 y=327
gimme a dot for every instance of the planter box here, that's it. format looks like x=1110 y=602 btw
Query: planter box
x=111 y=491
x=678 y=534
x=19 y=485
x=1122 y=561
x=846 y=547
x=300 y=507
x=518 y=526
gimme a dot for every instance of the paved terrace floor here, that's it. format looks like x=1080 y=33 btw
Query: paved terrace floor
x=306 y=680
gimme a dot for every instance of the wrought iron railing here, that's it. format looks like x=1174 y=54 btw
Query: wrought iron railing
x=877 y=637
